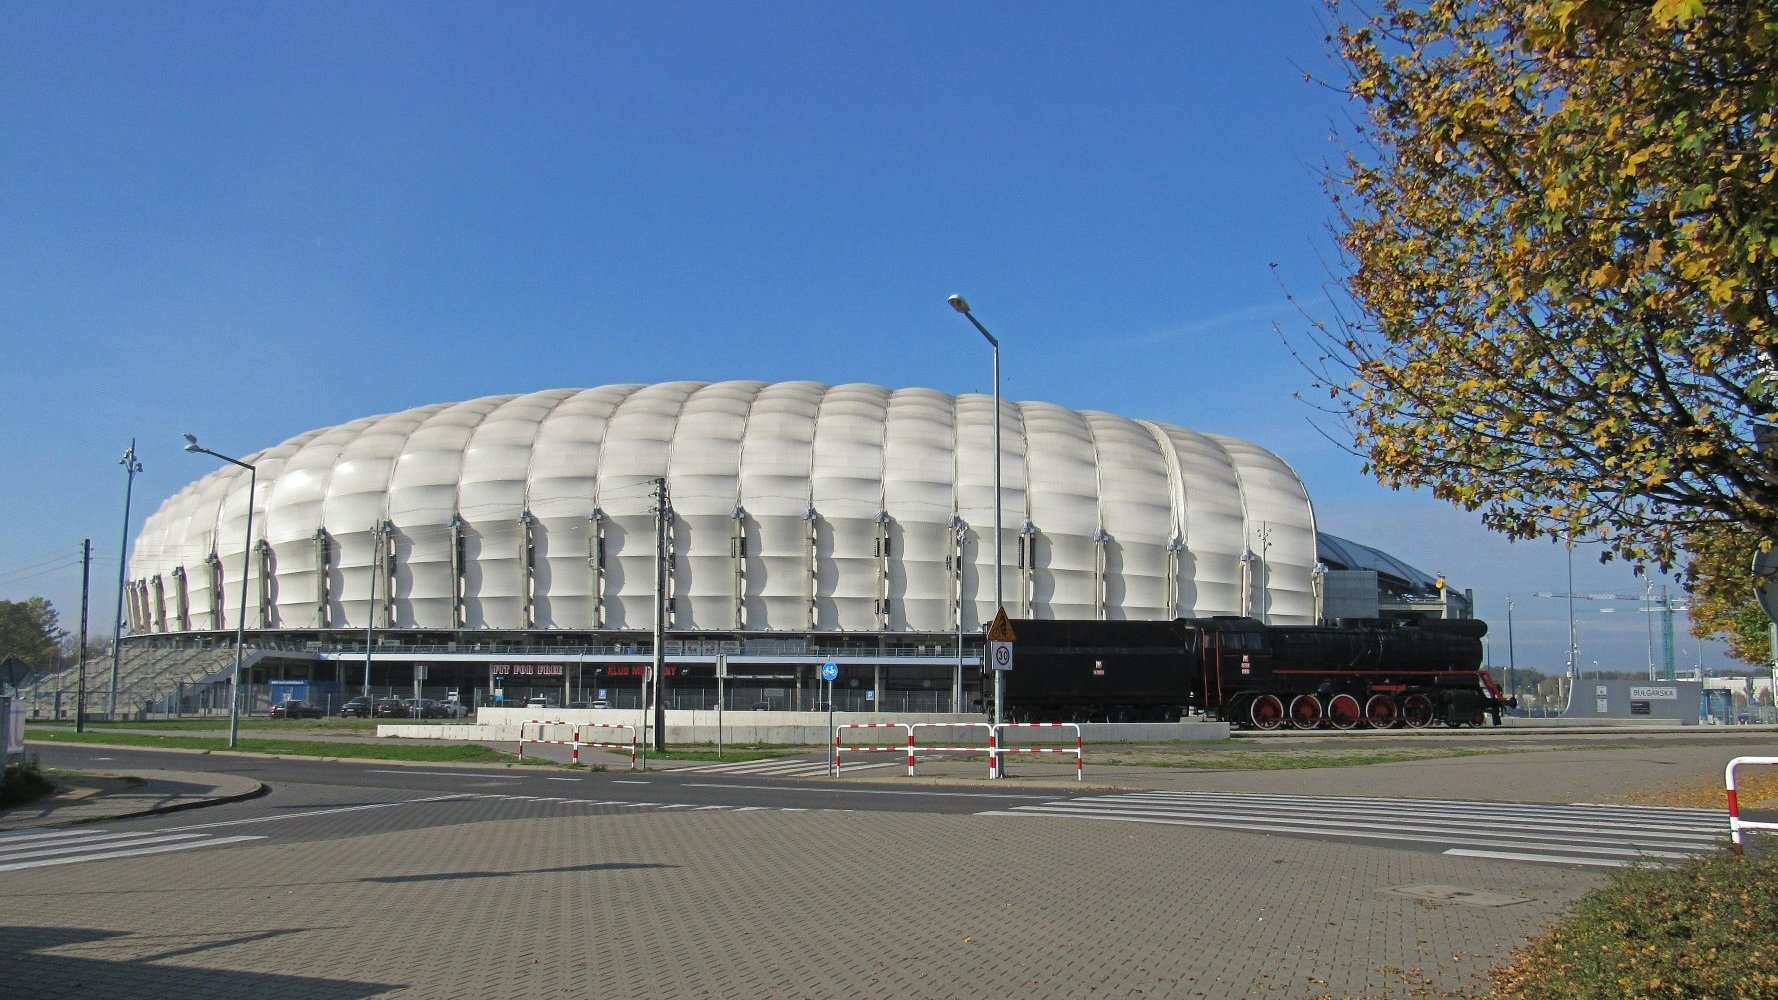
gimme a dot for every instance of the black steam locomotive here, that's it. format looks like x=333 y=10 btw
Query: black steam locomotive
x=1351 y=674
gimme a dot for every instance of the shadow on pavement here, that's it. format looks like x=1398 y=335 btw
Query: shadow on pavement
x=29 y=971
x=452 y=876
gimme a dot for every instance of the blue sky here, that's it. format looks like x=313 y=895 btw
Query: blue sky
x=248 y=221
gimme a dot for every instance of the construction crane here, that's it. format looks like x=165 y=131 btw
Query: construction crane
x=1664 y=605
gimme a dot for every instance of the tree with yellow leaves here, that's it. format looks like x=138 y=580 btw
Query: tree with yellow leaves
x=1723 y=607
x=1561 y=224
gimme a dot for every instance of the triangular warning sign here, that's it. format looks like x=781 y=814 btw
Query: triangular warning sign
x=1001 y=630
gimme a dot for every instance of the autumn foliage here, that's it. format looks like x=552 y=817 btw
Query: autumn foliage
x=1561 y=224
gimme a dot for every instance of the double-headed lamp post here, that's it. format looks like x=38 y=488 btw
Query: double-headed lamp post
x=961 y=304
x=234 y=681
x=130 y=468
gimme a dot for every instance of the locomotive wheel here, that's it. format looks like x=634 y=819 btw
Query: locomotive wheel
x=1343 y=711
x=1267 y=712
x=1479 y=719
x=1305 y=711
x=1380 y=711
x=1416 y=711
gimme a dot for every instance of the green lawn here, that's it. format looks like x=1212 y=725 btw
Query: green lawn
x=1269 y=756
x=426 y=751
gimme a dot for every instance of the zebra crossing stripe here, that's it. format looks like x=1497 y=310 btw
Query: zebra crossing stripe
x=64 y=837
x=1541 y=858
x=1479 y=840
x=1586 y=833
x=127 y=853
x=40 y=851
x=1499 y=831
x=1703 y=820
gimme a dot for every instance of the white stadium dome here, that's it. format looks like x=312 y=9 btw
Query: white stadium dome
x=796 y=507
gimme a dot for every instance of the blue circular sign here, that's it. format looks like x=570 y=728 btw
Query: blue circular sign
x=829 y=670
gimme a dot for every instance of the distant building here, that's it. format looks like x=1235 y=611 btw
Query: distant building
x=1363 y=582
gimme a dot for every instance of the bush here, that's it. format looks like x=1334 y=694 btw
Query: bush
x=23 y=781
x=1705 y=928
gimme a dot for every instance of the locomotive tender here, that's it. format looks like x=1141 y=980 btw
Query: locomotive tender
x=1353 y=673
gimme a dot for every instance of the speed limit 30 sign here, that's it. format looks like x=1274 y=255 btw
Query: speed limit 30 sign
x=1000 y=655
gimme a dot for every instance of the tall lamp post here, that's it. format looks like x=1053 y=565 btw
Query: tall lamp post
x=961 y=304
x=130 y=468
x=1512 y=660
x=234 y=681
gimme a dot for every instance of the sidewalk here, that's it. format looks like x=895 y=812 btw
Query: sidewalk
x=89 y=797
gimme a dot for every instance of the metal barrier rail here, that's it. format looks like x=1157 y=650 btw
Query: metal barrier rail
x=838 y=748
x=991 y=749
x=1736 y=823
x=578 y=742
x=575 y=743
x=1078 y=749
x=539 y=723
x=997 y=746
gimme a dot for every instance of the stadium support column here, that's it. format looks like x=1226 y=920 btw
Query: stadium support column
x=660 y=613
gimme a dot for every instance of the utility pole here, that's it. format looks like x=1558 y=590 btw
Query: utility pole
x=660 y=612
x=86 y=569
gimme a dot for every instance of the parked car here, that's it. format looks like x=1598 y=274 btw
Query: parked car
x=423 y=708
x=537 y=701
x=596 y=703
x=357 y=708
x=296 y=710
x=452 y=709
x=391 y=708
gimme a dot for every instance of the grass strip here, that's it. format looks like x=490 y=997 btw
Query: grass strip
x=1224 y=758
x=426 y=752
x=334 y=726
x=1704 y=928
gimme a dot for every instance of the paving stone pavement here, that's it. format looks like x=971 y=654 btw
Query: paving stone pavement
x=766 y=904
x=821 y=904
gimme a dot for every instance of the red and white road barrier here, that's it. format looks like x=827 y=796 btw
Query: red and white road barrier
x=575 y=742
x=996 y=746
x=988 y=727
x=1078 y=749
x=539 y=723
x=1736 y=823
x=578 y=742
x=839 y=748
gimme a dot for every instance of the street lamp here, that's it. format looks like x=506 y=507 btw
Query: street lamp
x=234 y=681
x=130 y=468
x=1512 y=660
x=961 y=304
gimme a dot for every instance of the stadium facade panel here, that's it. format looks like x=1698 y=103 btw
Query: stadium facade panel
x=794 y=507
